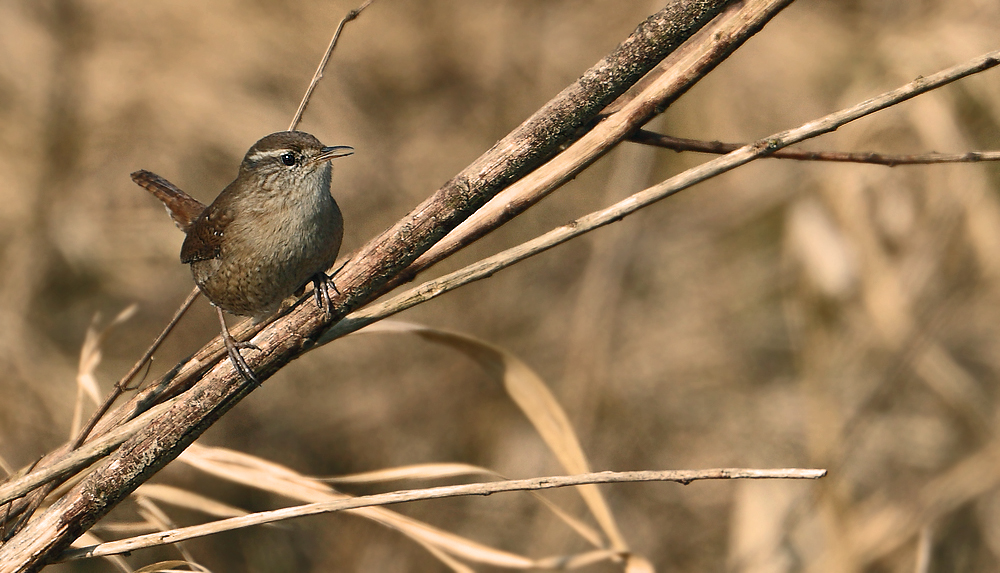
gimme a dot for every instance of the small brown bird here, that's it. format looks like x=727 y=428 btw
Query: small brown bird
x=271 y=231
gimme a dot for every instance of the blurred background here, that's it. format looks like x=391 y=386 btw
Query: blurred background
x=785 y=315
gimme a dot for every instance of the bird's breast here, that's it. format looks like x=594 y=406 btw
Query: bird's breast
x=270 y=251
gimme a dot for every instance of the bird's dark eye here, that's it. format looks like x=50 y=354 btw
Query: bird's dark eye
x=288 y=158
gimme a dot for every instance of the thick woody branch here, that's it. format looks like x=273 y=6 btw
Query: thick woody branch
x=531 y=143
x=681 y=70
x=287 y=338
x=72 y=462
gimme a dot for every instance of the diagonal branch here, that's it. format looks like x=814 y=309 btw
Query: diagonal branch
x=656 y=92
x=219 y=387
x=527 y=146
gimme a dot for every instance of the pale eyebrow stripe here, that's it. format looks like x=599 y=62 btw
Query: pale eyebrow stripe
x=263 y=154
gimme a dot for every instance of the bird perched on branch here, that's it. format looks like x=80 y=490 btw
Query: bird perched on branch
x=268 y=233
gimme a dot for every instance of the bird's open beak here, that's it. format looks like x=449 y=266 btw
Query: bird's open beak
x=328 y=153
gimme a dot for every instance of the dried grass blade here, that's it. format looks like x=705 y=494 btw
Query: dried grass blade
x=578 y=560
x=183 y=498
x=167 y=567
x=534 y=398
x=90 y=359
x=415 y=471
x=257 y=473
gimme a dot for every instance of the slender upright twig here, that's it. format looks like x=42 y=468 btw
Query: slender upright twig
x=322 y=64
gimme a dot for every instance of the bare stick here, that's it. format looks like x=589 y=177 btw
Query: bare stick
x=529 y=145
x=762 y=148
x=488 y=488
x=891 y=160
x=672 y=78
x=322 y=64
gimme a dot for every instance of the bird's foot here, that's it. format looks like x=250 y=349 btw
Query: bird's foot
x=321 y=288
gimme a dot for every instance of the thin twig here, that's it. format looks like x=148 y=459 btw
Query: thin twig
x=322 y=64
x=488 y=488
x=646 y=137
x=762 y=148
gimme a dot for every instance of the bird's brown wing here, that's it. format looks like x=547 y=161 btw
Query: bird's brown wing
x=204 y=237
x=183 y=208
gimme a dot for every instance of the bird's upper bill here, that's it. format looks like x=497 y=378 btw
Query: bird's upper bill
x=328 y=153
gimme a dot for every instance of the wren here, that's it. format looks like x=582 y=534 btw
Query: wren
x=271 y=231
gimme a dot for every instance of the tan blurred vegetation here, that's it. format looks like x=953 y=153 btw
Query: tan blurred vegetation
x=788 y=314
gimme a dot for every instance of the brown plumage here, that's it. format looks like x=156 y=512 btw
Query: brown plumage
x=270 y=231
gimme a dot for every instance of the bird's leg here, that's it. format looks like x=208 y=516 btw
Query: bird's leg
x=321 y=288
x=233 y=348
